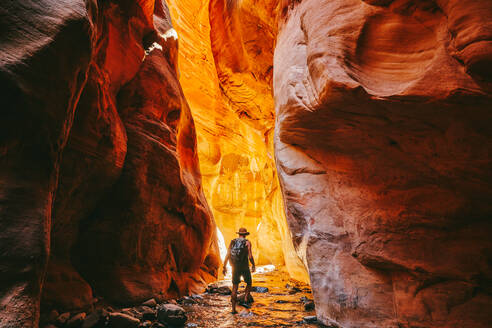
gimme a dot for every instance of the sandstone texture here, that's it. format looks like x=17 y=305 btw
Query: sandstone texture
x=382 y=142
x=225 y=64
x=100 y=185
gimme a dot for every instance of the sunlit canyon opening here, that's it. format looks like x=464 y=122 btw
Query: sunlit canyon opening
x=350 y=137
x=230 y=97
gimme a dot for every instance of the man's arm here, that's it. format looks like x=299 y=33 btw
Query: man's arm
x=228 y=255
x=250 y=255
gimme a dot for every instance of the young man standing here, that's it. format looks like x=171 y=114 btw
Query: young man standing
x=238 y=254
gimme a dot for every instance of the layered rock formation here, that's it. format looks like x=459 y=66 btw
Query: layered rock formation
x=383 y=151
x=98 y=160
x=225 y=60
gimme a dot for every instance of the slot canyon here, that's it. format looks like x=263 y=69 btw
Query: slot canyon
x=351 y=138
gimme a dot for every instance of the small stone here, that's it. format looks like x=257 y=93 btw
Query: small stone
x=294 y=290
x=53 y=315
x=132 y=312
x=281 y=301
x=187 y=300
x=62 y=318
x=308 y=306
x=259 y=289
x=171 y=314
x=109 y=309
x=224 y=290
x=95 y=319
x=76 y=321
x=158 y=325
x=197 y=297
x=191 y=325
x=147 y=313
x=246 y=314
x=310 y=318
x=145 y=324
x=240 y=299
x=121 y=320
x=150 y=303
x=212 y=288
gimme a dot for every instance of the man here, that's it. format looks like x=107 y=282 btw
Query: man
x=238 y=253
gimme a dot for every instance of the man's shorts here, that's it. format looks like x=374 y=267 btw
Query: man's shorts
x=241 y=272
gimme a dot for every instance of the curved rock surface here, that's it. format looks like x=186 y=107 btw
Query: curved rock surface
x=383 y=151
x=98 y=160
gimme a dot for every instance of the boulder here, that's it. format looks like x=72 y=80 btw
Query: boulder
x=240 y=299
x=259 y=289
x=63 y=318
x=310 y=319
x=95 y=319
x=150 y=303
x=171 y=314
x=121 y=320
x=147 y=313
x=76 y=321
x=309 y=305
x=53 y=315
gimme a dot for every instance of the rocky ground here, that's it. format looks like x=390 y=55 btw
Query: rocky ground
x=278 y=302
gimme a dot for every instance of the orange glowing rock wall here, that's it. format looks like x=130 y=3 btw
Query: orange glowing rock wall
x=225 y=63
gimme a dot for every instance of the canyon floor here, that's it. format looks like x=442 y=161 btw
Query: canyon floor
x=279 y=301
x=281 y=306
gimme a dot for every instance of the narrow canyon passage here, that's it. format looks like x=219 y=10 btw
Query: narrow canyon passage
x=350 y=137
x=233 y=110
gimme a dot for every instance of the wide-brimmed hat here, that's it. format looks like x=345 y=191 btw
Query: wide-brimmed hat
x=242 y=232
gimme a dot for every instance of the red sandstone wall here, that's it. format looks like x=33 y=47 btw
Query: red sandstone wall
x=383 y=152
x=98 y=168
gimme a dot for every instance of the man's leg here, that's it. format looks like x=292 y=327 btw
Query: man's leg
x=249 y=282
x=234 y=297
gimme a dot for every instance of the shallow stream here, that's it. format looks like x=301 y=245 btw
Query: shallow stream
x=281 y=306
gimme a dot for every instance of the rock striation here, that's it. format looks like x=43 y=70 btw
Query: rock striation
x=383 y=152
x=101 y=189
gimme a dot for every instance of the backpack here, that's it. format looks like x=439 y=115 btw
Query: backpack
x=239 y=252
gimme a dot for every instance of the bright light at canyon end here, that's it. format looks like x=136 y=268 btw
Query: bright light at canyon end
x=234 y=118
